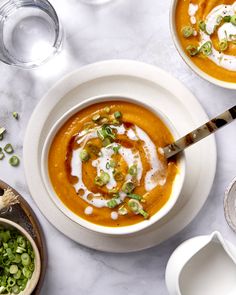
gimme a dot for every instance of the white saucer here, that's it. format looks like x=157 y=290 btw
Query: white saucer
x=132 y=79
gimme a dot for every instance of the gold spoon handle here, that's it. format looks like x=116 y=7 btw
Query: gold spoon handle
x=200 y=133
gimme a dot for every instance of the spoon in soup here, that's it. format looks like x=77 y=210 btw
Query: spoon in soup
x=199 y=133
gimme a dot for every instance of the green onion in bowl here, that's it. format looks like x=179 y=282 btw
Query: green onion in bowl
x=19 y=260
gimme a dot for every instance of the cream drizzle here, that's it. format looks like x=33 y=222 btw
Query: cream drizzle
x=192 y=9
x=88 y=210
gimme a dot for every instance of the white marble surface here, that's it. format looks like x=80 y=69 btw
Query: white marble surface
x=128 y=29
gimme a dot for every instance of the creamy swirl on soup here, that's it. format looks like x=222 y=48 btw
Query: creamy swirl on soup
x=207 y=31
x=105 y=166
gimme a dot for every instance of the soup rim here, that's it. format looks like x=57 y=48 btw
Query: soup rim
x=186 y=58
x=129 y=229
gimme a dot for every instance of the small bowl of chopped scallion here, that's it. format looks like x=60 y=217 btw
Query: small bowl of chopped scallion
x=19 y=260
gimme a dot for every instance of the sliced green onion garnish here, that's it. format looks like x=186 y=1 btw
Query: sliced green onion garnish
x=106 y=141
x=8 y=148
x=192 y=50
x=187 y=31
x=17 y=275
x=96 y=117
x=102 y=179
x=112 y=163
x=206 y=48
x=223 y=45
x=108 y=132
x=11 y=282
x=103 y=121
x=202 y=25
x=2 y=131
x=98 y=181
x=14 y=276
x=105 y=132
x=15 y=289
x=134 y=206
x=15 y=115
x=133 y=170
x=135 y=197
x=144 y=213
x=116 y=149
x=122 y=210
x=227 y=18
x=84 y=155
x=107 y=109
x=117 y=115
x=26 y=272
x=233 y=20
x=116 y=195
x=105 y=177
x=128 y=187
x=112 y=203
x=14 y=161
x=2 y=156
x=13 y=269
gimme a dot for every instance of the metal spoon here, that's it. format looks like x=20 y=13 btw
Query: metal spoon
x=200 y=133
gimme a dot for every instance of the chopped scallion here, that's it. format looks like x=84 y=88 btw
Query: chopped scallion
x=223 y=45
x=15 y=115
x=133 y=170
x=187 y=31
x=206 y=48
x=112 y=203
x=84 y=155
x=134 y=206
x=192 y=50
x=14 y=161
x=227 y=18
x=96 y=117
x=135 y=197
x=143 y=213
x=107 y=110
x=128 y=187
x=233 y=19
x=116 y=149
x=202 y=25
x=2 y=155
x=102 y=179
x=117 y=115
x=8 y=148
x=2 y=132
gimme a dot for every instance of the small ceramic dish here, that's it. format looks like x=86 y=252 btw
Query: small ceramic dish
x=124 y=230
x=36 y=274
x=230 y=204
x=186 y=58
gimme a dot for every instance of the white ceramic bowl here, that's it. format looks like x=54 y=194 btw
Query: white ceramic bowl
x=177 y=186
x=187 y=59
x=36 y=274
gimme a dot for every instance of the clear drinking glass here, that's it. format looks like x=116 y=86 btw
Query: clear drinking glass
x=30 y=32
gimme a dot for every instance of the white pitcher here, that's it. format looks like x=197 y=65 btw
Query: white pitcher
x=204 y=265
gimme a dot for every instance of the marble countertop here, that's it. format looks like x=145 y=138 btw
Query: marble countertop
x=127 y=29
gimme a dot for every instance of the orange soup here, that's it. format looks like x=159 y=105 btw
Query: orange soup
x=105 y=166
x=207 y=32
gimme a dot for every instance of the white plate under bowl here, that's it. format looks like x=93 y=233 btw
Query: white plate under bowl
x=130 y=79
